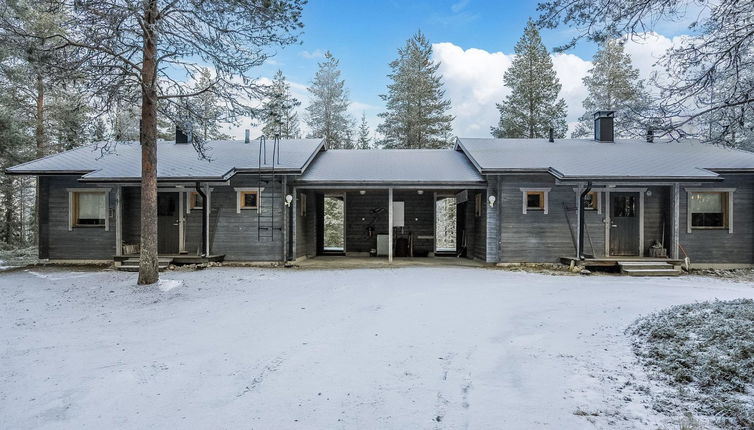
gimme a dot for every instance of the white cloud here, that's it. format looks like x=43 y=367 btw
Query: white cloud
x=310 y=55
x=474 y=82
x=459 y=5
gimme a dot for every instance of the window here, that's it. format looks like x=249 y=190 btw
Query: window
x=535 y=199
x=195 y=200
x=248 y=199
x=591 y=201
x=708 y=210
x=88 y=208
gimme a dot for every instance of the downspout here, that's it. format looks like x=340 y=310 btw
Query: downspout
x=204 y=217
x=582 y=223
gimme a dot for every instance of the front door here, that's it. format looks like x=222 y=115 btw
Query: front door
x=167 y=223
x=624 y=224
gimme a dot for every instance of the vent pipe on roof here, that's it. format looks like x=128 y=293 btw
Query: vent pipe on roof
x=180 y=136
x=650 y=135
x=604 y=126
x=246 y=136
x=552 y=135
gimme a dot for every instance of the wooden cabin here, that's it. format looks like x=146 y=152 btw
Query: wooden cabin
x=505 y=201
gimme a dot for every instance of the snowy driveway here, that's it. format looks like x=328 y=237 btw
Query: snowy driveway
x=360 y=349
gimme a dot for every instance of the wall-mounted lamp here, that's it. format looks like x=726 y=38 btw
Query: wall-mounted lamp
x=362 y=192
x=491 y=199
x=288 y=200
x=419 y=192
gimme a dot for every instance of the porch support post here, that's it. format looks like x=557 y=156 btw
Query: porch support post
x=118 y=220
x=390 y=224
x=675 y=214
x=294 y=224
x=181 y=222
x=579 y=214
x=284 y=192
x=207 y=208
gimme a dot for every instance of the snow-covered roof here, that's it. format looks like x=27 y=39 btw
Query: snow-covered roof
x=588 y=159
x=174 y=161
x=395 y=166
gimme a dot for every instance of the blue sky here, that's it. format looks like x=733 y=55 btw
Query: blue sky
x=365 y=36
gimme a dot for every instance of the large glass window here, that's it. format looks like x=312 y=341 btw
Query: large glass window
x=89 y=208
x=709 y=209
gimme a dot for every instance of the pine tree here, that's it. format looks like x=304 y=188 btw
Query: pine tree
x=279 y=111
x=363 y=141
x=416 y=115
x=532 y=107
x=613 y=84
x=327 y=113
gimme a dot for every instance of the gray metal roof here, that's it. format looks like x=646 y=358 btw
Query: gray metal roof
x=174 y=161
x=396 y=166
x=585 y=158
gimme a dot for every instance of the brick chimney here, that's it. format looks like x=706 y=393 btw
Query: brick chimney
x=604 y=130
x=180 y=136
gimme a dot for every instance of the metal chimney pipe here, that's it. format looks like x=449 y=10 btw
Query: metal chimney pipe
x=552 y=135
x=246 y=138
x=650 y=135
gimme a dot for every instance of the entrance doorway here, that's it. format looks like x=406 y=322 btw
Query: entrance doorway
x=445 y=225
x=334 y=224
x=624 y=224
x=167 y=223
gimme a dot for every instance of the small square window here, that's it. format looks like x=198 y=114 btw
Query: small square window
x=195 y=200
x=591 y=201
x=248 y=199
x=535 y=200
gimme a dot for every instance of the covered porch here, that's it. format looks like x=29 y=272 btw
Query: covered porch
x=400 y=222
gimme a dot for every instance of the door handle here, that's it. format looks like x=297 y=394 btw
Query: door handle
x=613 y=225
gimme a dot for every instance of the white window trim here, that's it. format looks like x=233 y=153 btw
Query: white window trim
x=547 y=199
x=188 y=200
x=730 y=192
x=259 y=192
x=71 y=216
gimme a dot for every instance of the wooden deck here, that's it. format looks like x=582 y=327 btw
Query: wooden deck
x=613 y=261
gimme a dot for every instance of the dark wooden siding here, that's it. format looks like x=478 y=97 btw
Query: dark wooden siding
x=306 y=242
x=476 y=226
x=359 y=217
x=719 y=246
x=82 y=243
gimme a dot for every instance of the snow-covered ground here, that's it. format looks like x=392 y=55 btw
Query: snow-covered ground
x=296 y=349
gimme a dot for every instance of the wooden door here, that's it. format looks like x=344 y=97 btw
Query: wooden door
x=167 y=223
x=624 y=224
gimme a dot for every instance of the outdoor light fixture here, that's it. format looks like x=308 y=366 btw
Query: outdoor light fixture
x=419 y=192
x=288 y=200
x=362 y=192
x=491 y=199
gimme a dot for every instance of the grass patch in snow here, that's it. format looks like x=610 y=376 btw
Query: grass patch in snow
x=706 y=352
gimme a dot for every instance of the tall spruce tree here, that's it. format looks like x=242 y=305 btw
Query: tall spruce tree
x=279 y=115
x=327 y=113
x=363 y=140
x=416 y=108
x=613 y=84
x=533 y=106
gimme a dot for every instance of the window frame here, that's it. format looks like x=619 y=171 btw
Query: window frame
x=727 y=209
x=248 y=190
x=193 y=197
x=595 y=202
x=73 y=207
x=544 y=200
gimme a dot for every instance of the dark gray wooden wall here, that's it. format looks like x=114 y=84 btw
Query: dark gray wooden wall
x=82 y=243
x=476 y=226
x=719 y=246
x=359 y=217
x=305 y=235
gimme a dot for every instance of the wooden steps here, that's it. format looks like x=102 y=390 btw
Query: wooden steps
x=132 y=264
x=648 y=268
